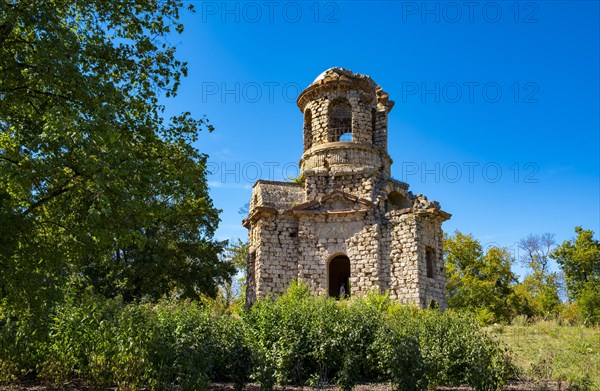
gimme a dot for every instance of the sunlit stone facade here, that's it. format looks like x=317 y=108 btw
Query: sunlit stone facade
x=347 y=227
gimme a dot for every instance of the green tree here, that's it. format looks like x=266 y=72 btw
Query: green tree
x=233 y=292
x=96 y=184
x=541 y=284
x=478 y=281
x=237 y=253
x=580 y=261
x=541 y=294
x=537 y=249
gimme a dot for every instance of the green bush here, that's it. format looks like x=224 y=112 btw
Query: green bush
x=463 y=353
x=281 y=336
x=361 y=321
x=301 y=339
x=20 y=347
x=400 y=359
x=450 y=349
x=79 y=334
x=297 y=339
x=233 y=356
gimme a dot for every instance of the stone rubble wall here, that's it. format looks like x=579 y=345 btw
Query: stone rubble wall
x=380 y=137
x=385 y=256
x=275 y=250
x=278 y=195
x=323 y=237
x=429 y=234
x=359 y=185
x=402 y=256
x=361 y=115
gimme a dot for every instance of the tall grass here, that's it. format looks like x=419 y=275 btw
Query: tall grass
x=548 y=350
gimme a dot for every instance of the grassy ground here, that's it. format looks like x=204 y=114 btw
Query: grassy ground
x=545 y=350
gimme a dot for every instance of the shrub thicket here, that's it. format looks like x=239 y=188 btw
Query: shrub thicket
x=296 y=339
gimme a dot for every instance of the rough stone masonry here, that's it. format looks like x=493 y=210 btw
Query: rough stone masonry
x=346 y=227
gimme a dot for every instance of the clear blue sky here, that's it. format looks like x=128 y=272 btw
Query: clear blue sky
x=497 y=102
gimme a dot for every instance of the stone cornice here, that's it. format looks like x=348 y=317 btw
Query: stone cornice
x=438 y=214
x=330 y=212
x=363 y=156
x=258 y=212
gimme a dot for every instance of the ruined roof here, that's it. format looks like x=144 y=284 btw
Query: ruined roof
x=336 y=77
x=339 y=74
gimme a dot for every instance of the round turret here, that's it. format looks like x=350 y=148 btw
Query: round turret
x=345 y=125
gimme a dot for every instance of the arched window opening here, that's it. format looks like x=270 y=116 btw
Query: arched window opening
x=430 y=260
x=339 y=277
x=396 y=200
x=346 y=137
x=308 y=136
x=433 y=305
x=340 y=121
x=373 y=125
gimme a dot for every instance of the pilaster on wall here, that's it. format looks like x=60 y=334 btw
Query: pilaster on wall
x=432 y=278
x=403 y=256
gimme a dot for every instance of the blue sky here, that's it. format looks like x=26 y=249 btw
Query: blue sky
x=497 y=102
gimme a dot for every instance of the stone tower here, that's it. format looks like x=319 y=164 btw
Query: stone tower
x=347 y=227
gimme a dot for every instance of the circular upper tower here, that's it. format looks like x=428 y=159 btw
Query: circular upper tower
x=345 y=125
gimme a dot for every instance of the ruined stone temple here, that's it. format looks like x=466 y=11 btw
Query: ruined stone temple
x=347 y=227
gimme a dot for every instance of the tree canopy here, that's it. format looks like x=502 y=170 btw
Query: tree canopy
x=480 y=281
x=96 y=185
x=580 y=260
x=540 y=285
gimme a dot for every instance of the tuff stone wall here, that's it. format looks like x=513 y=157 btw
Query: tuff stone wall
x=347 y=206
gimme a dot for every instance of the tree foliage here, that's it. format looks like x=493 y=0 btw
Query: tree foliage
x=95 y=183
x=580 y=260
x=478 y=281
x=541 y=285
x=537 y=249
x=232 y=293
x=482 y=282
x=237 y=252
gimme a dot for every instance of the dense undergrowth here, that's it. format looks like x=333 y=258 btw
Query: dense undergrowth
x=296 y=339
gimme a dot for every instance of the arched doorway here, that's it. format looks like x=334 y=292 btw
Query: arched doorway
x=339 y=276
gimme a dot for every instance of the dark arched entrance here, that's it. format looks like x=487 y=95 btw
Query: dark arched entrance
x=339 y=276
